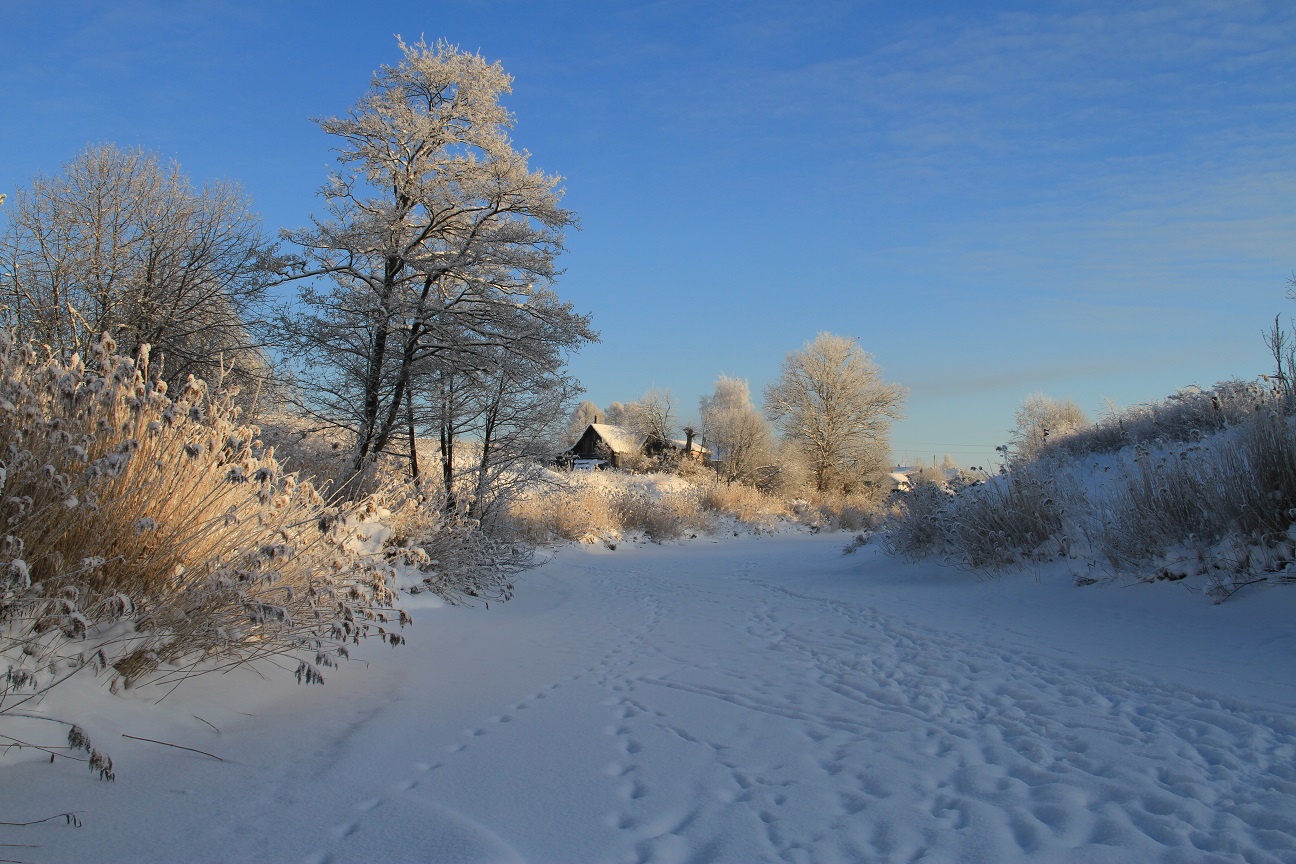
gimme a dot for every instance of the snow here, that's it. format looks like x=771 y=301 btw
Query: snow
x=755 y=699
x=620 y=439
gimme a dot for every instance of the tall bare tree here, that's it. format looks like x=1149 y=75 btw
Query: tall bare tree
x=437 y=233
x=832 y=406
x=495 y=408
x=119 y=242
x=652 y=417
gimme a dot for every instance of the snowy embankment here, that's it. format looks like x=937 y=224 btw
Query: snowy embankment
x=756 y=699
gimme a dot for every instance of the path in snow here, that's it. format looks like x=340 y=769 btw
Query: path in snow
x=763 y=700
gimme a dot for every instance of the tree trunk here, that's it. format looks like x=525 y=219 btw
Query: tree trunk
x=447 y=442
x=413 y=441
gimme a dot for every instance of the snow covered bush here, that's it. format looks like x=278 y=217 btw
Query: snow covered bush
x=149 y=535
x=1040 y=420
x=1225 y=508
x=1186 y=416
x=840 y=511
x=316 y=452
x=746 y=504
x=918 y=526
x=1016 y=517
x=459 y=559
x=1218 y=507
x=609 y=505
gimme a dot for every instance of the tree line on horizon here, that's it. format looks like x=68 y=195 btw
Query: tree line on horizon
x=824 y=426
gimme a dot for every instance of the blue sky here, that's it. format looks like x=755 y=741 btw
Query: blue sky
x=1093 y=200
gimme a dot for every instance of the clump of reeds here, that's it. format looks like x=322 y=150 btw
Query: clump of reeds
x=141 y=533
x=1015 y=518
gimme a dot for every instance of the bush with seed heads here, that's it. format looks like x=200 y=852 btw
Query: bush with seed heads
x=145 y=534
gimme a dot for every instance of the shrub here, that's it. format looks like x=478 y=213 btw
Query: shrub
x=1187 y=416
x=841 y=511
x=918 y=525
x=606 y=505
x=457 y=558
x=1224 y=507
x=744 y=503
x=1016 y=517
x=575 y=512
x=137 y=531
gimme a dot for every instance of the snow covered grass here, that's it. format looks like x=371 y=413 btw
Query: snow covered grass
x=1183 y=417
x=1222 y=508
x=151 y=536
x=745 y=504
x=606 y=506
x=456 y=558
x=1009 y=520
x=1225 y=508
x=602 y=506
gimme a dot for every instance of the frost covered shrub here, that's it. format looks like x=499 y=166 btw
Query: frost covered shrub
x=1226 y=507
x=744 y=503
x=1163 y=501
x=1041 y=420
x=666 y=516
x=137 y=530
x=1016 y=517
x=1188 y=415
x=564 y=513
x=457 y=558
x=605 y=505
x=840 y=511
x=320 y=454
x=917 y=526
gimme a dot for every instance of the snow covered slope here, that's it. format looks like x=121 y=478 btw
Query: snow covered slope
x=758 y=699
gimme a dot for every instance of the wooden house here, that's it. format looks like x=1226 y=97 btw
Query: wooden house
x=605 y=445
x=605 y=442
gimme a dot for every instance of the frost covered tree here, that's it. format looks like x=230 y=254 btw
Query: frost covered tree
x=738 y=435
x=618 y=414
x=505 y=404
x=119 y=242
x=1041 y=420
x=832 y=406
x=652 y=416
x=438 y=242
x=581 y=417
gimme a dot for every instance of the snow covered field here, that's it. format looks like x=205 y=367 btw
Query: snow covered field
x=752 y=699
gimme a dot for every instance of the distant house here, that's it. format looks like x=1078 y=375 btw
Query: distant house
x=603 y=444
x=691 y=448
x=903 y=477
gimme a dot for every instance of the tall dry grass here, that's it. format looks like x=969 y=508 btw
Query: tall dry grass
x=1187 y=416
x=1227 y=506
x=1222 y=507
x=609 y=505
x=141 y=533
x=1015 y=518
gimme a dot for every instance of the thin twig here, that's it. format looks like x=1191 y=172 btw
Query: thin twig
x=196 y=717
x=177 y=746
x=70 y=817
